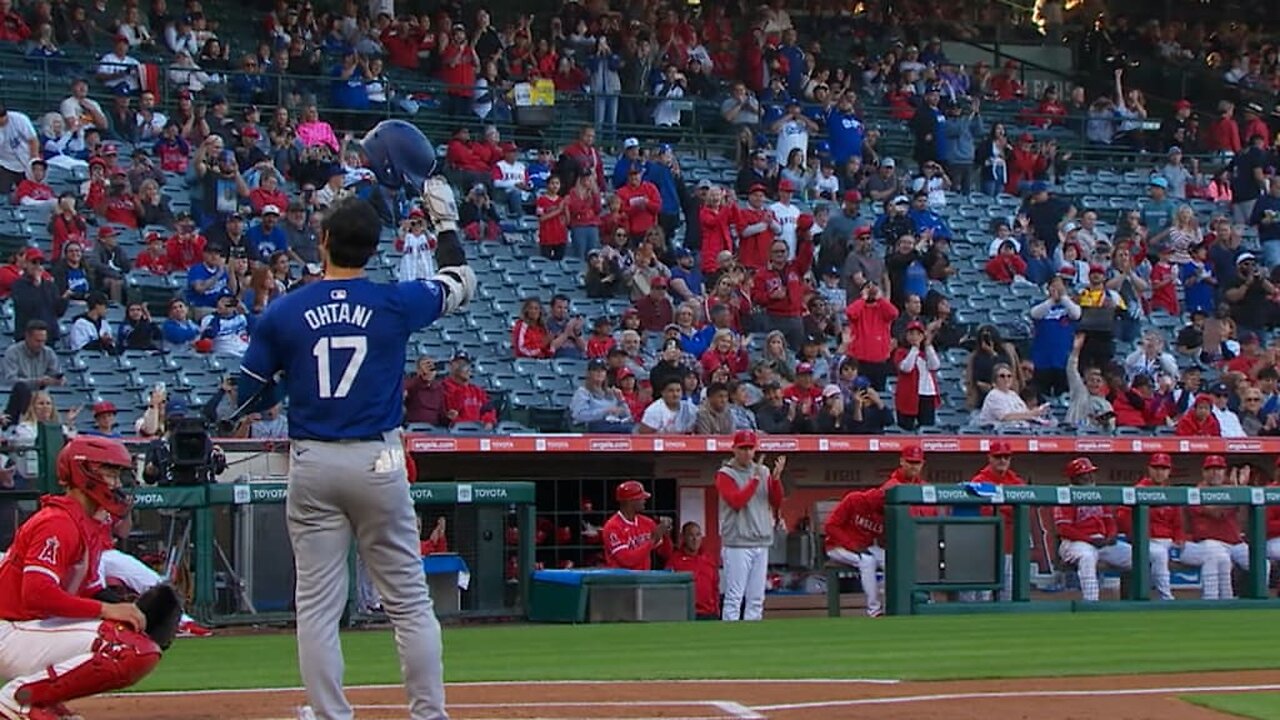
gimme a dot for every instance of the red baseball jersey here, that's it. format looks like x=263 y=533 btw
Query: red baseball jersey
x=1082 y=522
x=627 y=544
x=1273 y=519
x=52 y=564
x=706 y=580
x=857 y=522
x=1215 y=522
x=1165 y=522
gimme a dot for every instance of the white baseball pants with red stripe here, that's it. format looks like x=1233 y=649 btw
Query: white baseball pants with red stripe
x=868 y=562
x=1215 y=559
x=31 y=650
x=745 y=573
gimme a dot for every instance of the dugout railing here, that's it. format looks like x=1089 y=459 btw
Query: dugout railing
x=907 y=593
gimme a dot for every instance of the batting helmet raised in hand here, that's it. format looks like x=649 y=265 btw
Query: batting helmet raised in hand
x=79 y=466
x=1080 y=466
x=399 y=155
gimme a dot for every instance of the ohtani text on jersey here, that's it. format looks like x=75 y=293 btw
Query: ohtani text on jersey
x=338 y=313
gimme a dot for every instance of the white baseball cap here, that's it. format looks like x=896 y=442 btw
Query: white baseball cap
x=270 y=210
x=1245 y=257
x=630 y=143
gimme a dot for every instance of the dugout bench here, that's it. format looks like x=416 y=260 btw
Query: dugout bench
x=913 y=567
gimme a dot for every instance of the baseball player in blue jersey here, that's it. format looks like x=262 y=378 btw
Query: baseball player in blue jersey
x=340 y=344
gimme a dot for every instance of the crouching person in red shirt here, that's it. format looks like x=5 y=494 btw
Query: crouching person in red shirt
x=630 y=539
x=59 y=642
x=706 y=572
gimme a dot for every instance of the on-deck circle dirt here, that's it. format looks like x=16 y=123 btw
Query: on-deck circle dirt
x=1116 y=697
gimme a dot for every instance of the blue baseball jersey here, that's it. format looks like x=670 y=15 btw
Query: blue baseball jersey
x=341 y=346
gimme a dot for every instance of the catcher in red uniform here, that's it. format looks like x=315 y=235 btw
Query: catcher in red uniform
x=58 y=642
x=630 y=539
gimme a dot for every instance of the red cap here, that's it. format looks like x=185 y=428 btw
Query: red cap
x=1025 y=138
x=1096 y=268
x=630 y=311
x=913 y=453
x=153 y=235
x=1080 y=466
x=631 y=490
x=1214 y=461
x=853 y=196
x=97 y=161
x=1182 y=105
x=915 y=325
x=1205 y=398
x=1011 y=64
x=758 y=188
x=804 y=222
x=745 y=438
x=803 y=368
x=122 y=38
x=110 y=149
x=786 y=186
x=416 y=213
x=250 y=131
x=1160 y=460
x=509 y=147
x=33 y=254
x=107 y=231
x=624 y=372
x=105 y=406
x=659 y=282
x=863 y=231
x=1000 y=448
x=203 y=345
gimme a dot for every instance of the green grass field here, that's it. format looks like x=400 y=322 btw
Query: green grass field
x=1258 y=706
x=914 y=648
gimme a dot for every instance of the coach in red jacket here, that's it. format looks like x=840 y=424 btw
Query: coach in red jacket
x=630 y=539
x=780 y=288
x=869 y=334
x=690 y=558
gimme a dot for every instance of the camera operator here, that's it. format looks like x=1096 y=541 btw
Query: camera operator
x=164 y=462
x=1249 y=297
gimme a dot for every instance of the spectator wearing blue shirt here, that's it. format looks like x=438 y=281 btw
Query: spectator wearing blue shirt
x=348 y=90
x=267 y=237
x=1040 y=268
x=1054 y=332
x=773 y=101
x=539 y=171
x=178 y=329
x=659 y=172
x=686 y=278
x=797 y=67
x=845 y=131
x=925 y=219
x=1266 y=217
x=1199 y=284
x=207 y=280
x=1157 y=215
x=629 y=158
x=964 y=124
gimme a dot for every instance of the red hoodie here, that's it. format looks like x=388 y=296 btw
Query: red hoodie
x=468 y=401
x=467 y=156
x=1165 y=520
x=706 y=580
x=871 y=327
x=755 y=235
x=988 y=475
x=1188 y=426
x=716 y=238
x=641 y=204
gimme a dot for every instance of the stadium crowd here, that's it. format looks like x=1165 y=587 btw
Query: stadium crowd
x=812 y=295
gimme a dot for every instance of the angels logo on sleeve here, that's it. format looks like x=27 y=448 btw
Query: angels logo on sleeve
x=50 y=552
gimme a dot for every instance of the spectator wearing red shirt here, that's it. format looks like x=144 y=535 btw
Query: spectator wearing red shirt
x=630 y=539
x=601 y=341
x=583 y=151
x=153 y=257
x=13 y=29
x=1025 y=164
x=9 y=273
x=641 y=202
x=1199 y=421
x=424 y=399
x=655 y=309
x=66 y=225
x=1223 y=134
x=553 y=221
x=402 y=41
x=756 y=229
x=715 y=219
x=583 y=204
x=729 y=295
x=1251 y=359
x=186 y=247
x=436 y=542
x=1006 y=264
x=33 y=190
x=467 y=160
x=1138 y=406
x=267 y=193
x=458 y=64
x=917 y=395
x=1253 y=122
x=868 y=336
x=119 y=206
x=529 y=337
x=690 y=558
x=1048 y=113
x=780 y=288
x=463 y=401
x=726 y=351
x=1005 y=86
x=804 y=393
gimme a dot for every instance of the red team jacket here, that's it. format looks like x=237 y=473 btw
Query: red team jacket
x=706 y=580
x=1215 y=522
x=987 y=475
x=1082 y=522
x=51 y=568
x=627 y=544
x=1273 y=519
x=857 y=523
x=469 y=400
x=641 y=204
x=1165 y=523
x=753 y=249
x=790 y=278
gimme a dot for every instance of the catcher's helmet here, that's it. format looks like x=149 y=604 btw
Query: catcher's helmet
x=74 y=469
x=399 y=155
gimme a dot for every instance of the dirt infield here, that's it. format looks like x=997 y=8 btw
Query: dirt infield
x=1128 y=697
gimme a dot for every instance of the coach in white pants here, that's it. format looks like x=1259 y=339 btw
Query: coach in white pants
x=750 y=498
x=1216 y=540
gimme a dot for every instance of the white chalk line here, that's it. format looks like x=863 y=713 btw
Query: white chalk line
x=737 y=710
x=524 y=683
x=552 y=704
x=1012 y=694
